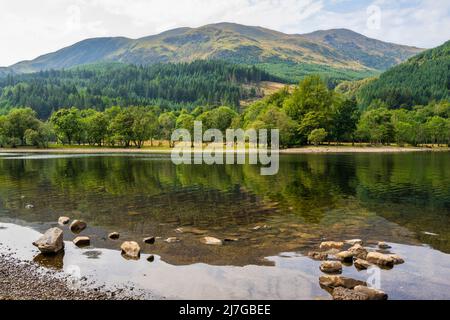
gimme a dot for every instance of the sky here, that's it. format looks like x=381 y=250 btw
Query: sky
x=30 y=28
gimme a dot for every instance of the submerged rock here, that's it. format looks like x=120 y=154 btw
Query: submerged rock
x=339 y=281
x=344 y=294
x=190 y=230
x=63 y=221
x=371 y=293
x=319 y=256
x=172 y=240
x=361 y=264
x=51 y=242
x=383 y=245
x=77 y=226
x=352 y=242
x=114 y=236
x=131 y=249
x=380 y=259
x=149 y=240
x=331 y=267
x=331 y=245
x=212 y=241
x=82 y=241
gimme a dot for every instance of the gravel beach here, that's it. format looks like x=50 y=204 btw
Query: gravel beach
x=26 y=281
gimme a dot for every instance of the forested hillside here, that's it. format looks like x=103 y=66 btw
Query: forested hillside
x=418 y=81
x=205 y=83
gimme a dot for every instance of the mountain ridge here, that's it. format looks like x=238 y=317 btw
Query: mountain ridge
x=336 y=49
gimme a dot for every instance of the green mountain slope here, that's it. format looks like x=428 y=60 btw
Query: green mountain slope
x=337 y=53
x=417 y=81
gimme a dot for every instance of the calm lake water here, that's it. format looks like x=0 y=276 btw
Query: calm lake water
x=403 y=199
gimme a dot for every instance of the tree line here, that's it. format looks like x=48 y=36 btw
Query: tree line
x=311 y=113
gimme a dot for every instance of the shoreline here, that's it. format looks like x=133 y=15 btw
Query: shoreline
x=24 y=280
x=304 y=150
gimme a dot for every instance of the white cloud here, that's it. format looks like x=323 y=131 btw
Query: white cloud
x=31 y=28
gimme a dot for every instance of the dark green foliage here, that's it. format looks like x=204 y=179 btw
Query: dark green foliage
x=170 y=86
x=418 y=81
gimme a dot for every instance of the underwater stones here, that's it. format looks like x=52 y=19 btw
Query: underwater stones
x=327 y=245
x=82 y=241
x=51 y=242
x=114 y=236
x=131 y=249
x=319 y=256
x=331 y=267
x=212 y=241
x=62 y=221
x=77 y=226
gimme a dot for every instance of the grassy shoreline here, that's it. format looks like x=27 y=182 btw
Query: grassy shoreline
x=163 y=150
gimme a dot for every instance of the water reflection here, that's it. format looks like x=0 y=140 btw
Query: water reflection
x=390 y=197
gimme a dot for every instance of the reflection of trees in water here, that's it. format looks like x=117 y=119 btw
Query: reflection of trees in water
x=136 y=191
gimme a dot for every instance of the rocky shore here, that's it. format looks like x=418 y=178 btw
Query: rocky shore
x=26 y=281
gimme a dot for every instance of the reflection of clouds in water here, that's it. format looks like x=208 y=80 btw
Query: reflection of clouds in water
x=423 y=276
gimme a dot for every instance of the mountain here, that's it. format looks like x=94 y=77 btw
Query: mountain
x=417 y=81
x=341 y=54
x=369 y=52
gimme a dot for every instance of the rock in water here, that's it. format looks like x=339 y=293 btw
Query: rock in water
x=358 y=251
x=380 y=259
x=352 y=242
x=131 y=249
x=331 y=267
x=151 y=258
x=51 y=242
x=345 y=256
x=397 y=259
x=77 y=226
x=338 y=281
x=344 y=294
x=319 y=256
x=172 y=240
x=331 y=245
x=361 y=264
x=82 y=241
x=114 y=236
x=63 y=221
x=373 y=294
x=383 y=245
x=212 y=241
x=150 y=240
